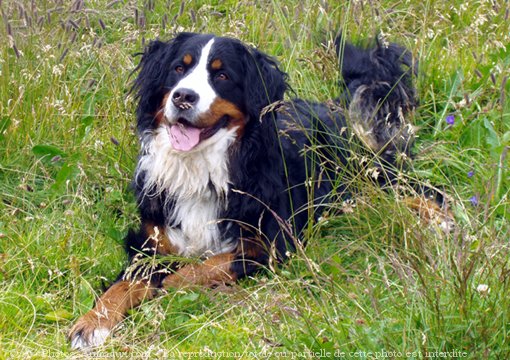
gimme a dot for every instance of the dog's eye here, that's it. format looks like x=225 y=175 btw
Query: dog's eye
x=179 y=69
x=222 y=76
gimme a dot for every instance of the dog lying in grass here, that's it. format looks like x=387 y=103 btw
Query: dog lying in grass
x=230 y=173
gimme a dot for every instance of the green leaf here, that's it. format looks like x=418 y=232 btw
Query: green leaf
x=115 y=234
x=85 y=295
x=47 y=151
x=474 y=134
x=506 y=138
x=492 y=138
x=66 y=172
x=85 y=127
x=180 y=319
x=58 y=315
x=189 y=297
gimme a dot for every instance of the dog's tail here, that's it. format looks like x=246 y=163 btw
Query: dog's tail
x=379 y=95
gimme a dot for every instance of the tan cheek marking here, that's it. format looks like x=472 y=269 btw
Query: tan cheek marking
x=220 y=108
x=157 y=239
x=187 y=59
x=216 y=64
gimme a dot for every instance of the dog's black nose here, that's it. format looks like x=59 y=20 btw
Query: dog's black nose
x=184 y=98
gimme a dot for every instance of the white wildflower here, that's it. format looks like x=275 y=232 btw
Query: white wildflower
x=58 y=69
x=483 y=289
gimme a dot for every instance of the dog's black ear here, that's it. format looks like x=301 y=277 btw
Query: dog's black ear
x=149 y=67
x=149 y=85
x=153 y=64
x=264 y=82
x=388 y=63
x=379 y=95
x=352 y=60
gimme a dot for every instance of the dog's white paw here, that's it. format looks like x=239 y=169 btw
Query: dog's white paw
x=86 y=341
x=447 y=224
x=90 y=331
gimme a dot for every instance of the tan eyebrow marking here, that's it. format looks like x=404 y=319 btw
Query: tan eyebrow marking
x=216 y=64
x=187 y=59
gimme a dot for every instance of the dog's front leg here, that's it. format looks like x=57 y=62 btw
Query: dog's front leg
x=93 y=328
x=213 y=271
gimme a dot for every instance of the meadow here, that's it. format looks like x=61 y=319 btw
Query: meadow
x=373 y=282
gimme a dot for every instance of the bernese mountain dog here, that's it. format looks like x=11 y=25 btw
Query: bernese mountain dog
x=230 y=173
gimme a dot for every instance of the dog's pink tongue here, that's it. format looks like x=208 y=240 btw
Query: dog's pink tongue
x=184 y=138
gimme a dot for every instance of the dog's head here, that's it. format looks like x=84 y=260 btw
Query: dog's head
x=201 y=87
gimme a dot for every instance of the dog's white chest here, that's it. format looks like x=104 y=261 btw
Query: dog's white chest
x=195 y=229
x=196 y=182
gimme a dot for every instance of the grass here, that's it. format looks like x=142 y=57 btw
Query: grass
x=372 y=283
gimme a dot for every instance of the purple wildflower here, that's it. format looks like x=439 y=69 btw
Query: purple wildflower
x=471 y=173
x=474 y=200
x=450 y=120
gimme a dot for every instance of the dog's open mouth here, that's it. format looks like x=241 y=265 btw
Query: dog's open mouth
x=185 y=137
